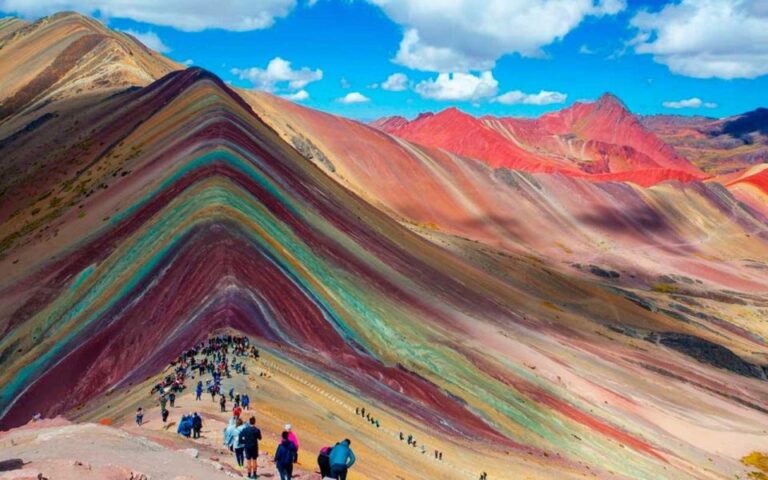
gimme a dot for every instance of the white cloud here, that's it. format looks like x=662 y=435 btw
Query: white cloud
x=694 y=102
x=149 y=39
x=188 y=62
x=460 y=36
x=188 y=15
x=544 y=97
x=353 y=97
x=298 y=96
x=707 y=38
x=459 y=86
x=585 y=50
x=344 y=83
x=278 y=74
x=397 y=82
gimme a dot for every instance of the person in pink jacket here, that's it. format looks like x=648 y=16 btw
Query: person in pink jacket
x=292 y=436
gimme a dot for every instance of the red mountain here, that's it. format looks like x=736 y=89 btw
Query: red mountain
x=601 y=140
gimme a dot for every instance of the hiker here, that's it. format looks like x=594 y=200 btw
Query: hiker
x=324 y=462
x=199 y=390
x=139 y=416
x=163 y=402
x=285 y=456
x=292 y=436
x=229 y=434
x=245 y=401
x=185 y=426
x=249 y=437
x=164 y=412
x=223 y=403
x=197 y=425
x=232 y=394
x=341 y=459
x=236 y=445
x=237 y=411
x=171 y=398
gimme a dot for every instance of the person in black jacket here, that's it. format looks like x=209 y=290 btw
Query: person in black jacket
x=324 y=462
x=285 y=456
x=249 y=439
x=197 y=425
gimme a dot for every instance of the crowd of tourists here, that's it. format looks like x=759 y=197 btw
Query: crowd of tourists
x=221 y=356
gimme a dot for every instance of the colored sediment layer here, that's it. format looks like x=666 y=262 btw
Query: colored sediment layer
x=480 y=304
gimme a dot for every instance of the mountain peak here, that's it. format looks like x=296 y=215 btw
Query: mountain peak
x=610 y=100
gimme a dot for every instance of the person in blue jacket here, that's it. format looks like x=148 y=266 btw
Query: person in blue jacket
x=341 y=459
x=285 y=456
x=185 y=426
x=229 y=434
x=199 y=390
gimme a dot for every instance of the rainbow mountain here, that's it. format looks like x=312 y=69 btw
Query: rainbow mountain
x=533 y=323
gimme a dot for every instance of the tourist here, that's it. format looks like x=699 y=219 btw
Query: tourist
x=245 y=401
x=285 y=457
x=139 y=416
x=229 y=433
x=249 y=437
x=324 y=462
x=239 y=448
x=185 y=426
x=223 y=403
x=199 y=390
x=197 y=425
x=292 y=436
x=164 y=413
x=341 y=459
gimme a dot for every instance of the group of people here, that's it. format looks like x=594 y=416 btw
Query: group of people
x=243 y=440
x=240 y=436
x=372 y=420
x=190 y=424
x=335 y=462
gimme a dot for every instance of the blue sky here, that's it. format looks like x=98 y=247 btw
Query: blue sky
x=630 y=48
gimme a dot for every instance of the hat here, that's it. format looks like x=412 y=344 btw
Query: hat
x=288 y=427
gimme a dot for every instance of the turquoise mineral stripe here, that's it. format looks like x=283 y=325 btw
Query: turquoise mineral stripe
x=170 y=223
x=216 y=155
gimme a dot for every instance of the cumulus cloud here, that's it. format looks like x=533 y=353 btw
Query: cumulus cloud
x=694 y=102
x=544 y=97
x=298 y=96
x=188 y=62
x=457 y=36
x=707 y=38
x=149 y=39
x=278 y=74
x=188 y=15
x=397 y=82
x=459 y=86
x=353 y=97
